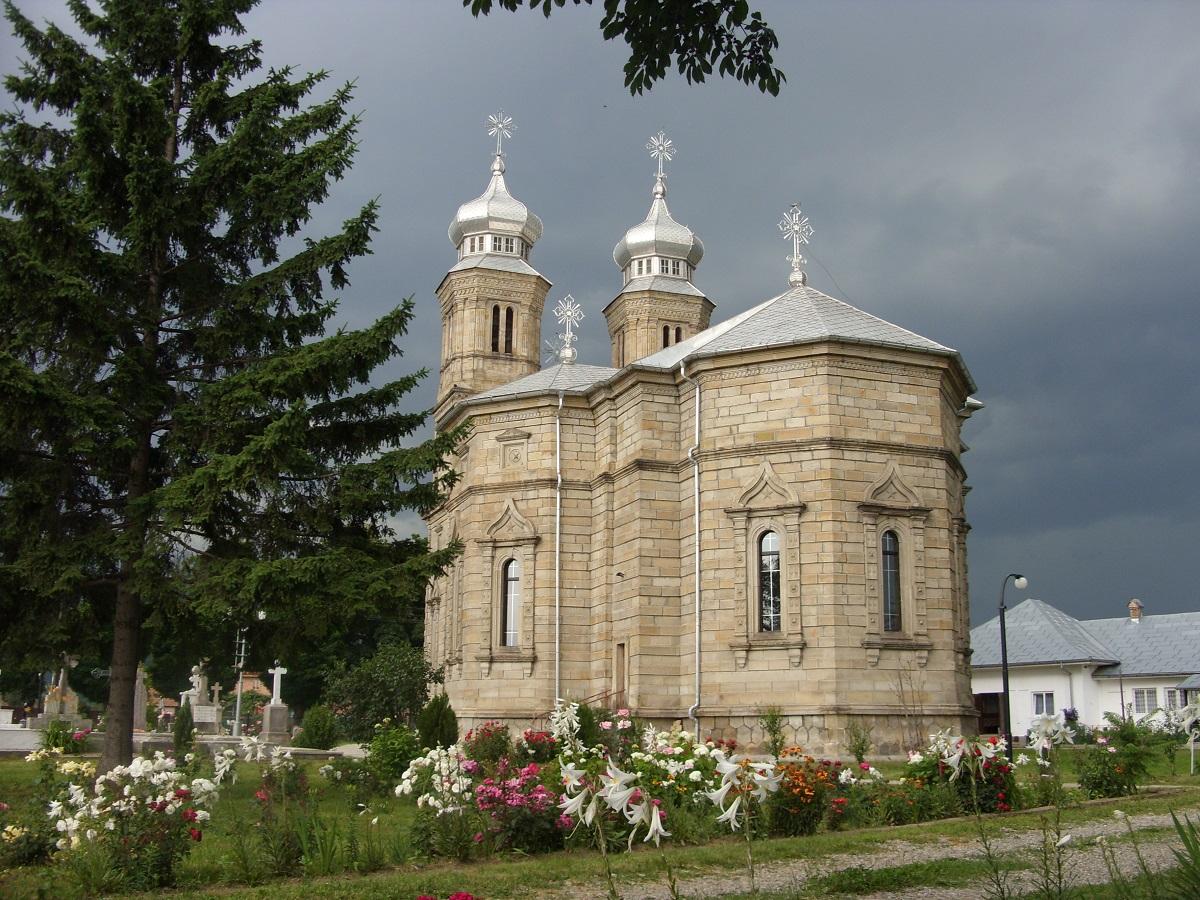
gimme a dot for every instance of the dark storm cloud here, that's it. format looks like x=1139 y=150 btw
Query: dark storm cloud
x=1017 y=181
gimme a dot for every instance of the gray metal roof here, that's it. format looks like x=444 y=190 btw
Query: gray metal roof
x=1039 y=633
x=498 y=261
x=1168 y=644
x=1191 y=683
x=570 y=379
x=800 y=315
x=667 y=284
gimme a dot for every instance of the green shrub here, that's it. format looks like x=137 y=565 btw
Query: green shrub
x=859 y=740
x=391 y=685
x=771 y=721
x=391 y=750
x=437 y=725
x=183 y=732
x=319 y=729
x=1111 y=771
x=487 y=743
x=62 y=736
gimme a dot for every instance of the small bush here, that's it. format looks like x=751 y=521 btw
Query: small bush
x=859 y=740
x=61 y=736
x=1111 y=771
x=487 y=743
x=183 y=732
x=437 y=725
x=771 y=721
x=391 y=750
x=799 y=805
x=319 y=729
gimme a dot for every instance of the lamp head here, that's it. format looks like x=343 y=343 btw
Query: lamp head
x=1021 y=582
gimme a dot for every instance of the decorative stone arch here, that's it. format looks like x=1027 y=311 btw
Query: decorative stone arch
x=891 y=504
x=510 y=536
x=768 y=503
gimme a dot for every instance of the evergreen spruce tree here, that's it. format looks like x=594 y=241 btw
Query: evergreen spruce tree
x=180 y=439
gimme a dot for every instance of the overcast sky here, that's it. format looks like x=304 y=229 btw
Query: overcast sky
x=1020 y=181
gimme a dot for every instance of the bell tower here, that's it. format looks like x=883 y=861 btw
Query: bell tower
x=491 y=300
x=658 y=306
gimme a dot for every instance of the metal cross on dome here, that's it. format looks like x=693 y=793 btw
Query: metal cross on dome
x=569 y=314
x=661 y=149
x=795 y=226
x=500 y=126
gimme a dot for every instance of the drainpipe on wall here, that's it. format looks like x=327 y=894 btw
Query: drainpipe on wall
x=557 y=547
x=696 y=537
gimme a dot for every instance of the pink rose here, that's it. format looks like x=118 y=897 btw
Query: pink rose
x=622 y=714
x=606 y=726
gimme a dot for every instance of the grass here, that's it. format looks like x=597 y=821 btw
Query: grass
x=209 y=871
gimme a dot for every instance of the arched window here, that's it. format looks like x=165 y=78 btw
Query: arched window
x=495 y=329
x=621 y=347
x=678 y=335
x=510 y=602
x=892 y=619
x=768 y=582
x=666 y=335
x=508 y=328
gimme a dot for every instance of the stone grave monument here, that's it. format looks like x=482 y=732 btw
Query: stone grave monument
x=60 y=703
x=276 y=727
x=205 y=715
x=140 y=701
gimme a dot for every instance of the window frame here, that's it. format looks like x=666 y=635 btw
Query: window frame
x=1043 y=699
x=891 y=582
x=1140 y=696
x=510 y=603
x=769 y=623
x=509 y=320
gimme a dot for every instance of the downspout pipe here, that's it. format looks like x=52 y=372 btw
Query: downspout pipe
x=558 y=549
x=692 y=455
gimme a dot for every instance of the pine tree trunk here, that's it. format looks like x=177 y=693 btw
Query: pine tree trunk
x=127 y=622
x=118 y=717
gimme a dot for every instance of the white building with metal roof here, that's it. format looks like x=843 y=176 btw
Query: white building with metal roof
x=1132 y=664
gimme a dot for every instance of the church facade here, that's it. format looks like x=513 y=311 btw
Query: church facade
x=768 y=511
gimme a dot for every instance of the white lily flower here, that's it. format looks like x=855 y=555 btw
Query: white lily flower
x=729 y=816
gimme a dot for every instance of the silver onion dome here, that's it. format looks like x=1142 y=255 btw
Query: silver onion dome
x=659 y=235
x=495 y=211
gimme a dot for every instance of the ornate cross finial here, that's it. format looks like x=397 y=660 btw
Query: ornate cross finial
x=662 y=149
x=569 y=314
x=794 y=226
x=500 y=127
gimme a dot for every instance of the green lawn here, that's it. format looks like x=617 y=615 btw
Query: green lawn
x=211 y=869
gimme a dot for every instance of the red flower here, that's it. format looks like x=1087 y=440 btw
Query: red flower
x=194 y=834
x=262 y=795
x=189 y=815
x=461 y=895
x=182 y=792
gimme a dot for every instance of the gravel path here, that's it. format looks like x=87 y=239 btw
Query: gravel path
x=1085 y=863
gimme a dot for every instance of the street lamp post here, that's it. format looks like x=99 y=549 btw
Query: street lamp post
x=1020 y=582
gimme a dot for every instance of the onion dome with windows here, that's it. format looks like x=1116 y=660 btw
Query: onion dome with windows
x=659 y=245
x=495 y=222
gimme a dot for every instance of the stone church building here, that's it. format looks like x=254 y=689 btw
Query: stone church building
x=766 y=511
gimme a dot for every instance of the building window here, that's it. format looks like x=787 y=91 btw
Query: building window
x=768 y=582
x=662 y=267
x=496 y=329
x=508 y=245
x=666 y=335
x=1145 y=700
x=508 y=329
x=1171 y=699
x=510 y=603
x=639 y=267
x=678 y=335
x=621 y=347
x=674 y=267
x=1043 y=703
x=892 y=617
x=472 y=244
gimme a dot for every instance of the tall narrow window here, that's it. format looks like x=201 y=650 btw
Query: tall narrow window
x=666 y=335
x=892 y=620
x=664 y=266
x=674 y=267
x=508 y=328
x=678 y=335
x=510 y=603
x=508 y=245
x=621 y=347
x=768 y=582
x=496 y=329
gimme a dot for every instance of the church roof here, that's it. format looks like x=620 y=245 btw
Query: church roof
x=1040 y=633
x=659 y=235
x=496 y=211
x=497 y=261
x=799 y=315
x=568 y=378
x=667 y=284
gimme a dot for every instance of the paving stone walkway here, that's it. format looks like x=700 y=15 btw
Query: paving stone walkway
x=1086 y=863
